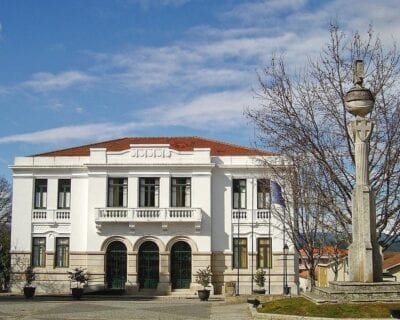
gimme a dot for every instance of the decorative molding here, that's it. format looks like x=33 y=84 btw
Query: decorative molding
x=152 y=152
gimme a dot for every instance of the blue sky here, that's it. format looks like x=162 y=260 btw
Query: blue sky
x=76 y=72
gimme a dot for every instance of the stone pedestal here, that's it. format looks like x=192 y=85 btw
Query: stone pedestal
x=357 y=292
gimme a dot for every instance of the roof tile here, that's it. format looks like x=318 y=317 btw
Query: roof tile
x=218 y=148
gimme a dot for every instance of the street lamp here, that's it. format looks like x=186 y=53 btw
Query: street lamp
x=285 y=276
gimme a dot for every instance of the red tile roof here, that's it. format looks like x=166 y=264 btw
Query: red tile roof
x=391 y=260
x=218 y=148
x=327 y=251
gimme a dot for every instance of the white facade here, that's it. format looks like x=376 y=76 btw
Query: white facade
x=91 y=223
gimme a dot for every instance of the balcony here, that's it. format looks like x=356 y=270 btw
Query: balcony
x=247 y=216
x=132 y=216
x=51 y=217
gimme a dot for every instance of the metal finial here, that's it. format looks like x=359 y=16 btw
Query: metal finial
x=358 y=73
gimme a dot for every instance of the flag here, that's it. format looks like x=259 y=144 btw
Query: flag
x=276 y=194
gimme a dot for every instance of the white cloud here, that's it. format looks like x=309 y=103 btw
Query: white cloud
x=221 y=60
x=93 y=131
x=209 y=112
x=79 y=110
x=44 y=81
x=256 y=12
x=146 y=4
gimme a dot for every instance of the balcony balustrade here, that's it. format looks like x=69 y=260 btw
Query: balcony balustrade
x=248 y=216
x=51 y=216
x=132 y=216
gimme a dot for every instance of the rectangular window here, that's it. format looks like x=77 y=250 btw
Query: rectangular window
x=62 y=253
x=180 y=192
x=117 y=192
x=149 y=192
x=64 y=193
x=239 y=193
x=40 y=193
x=264 y=253
x=240 y=253
x=38 y=252
x=263 y=193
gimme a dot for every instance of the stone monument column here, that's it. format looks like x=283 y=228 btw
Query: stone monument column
x=365 y=259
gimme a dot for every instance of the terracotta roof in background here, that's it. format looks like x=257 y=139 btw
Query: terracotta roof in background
x=390 y=260
x=328 y=251
x=218 y=148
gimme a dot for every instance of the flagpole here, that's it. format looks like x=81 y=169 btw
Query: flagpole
x=277 y=198
x=270 y=244
x=238 y=255
x=252 y=234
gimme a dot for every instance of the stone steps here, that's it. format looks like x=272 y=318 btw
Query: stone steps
x=318 y=299
x=356 y=293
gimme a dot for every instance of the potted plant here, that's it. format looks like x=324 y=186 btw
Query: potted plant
x=80 y=277
x=259 y=279
x=30 y=276
x=203 y=277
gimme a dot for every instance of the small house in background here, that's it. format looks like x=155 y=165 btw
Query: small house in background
x=332 y=266
x=391 y=266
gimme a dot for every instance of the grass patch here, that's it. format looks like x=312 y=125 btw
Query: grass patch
x=303 y=307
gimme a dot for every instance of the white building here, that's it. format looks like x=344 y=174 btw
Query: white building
x=146 y=214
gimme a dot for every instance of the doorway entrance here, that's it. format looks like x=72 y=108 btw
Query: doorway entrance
x=181 y=265
x=149 y=260
x=116 y=265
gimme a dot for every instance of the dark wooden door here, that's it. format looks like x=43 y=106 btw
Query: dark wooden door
x=116 y=265
x=149 y=260
x=181 y=265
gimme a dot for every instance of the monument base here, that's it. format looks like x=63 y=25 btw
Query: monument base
x=356 y=292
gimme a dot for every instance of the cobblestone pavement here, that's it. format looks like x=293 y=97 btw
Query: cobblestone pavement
x=42 y=308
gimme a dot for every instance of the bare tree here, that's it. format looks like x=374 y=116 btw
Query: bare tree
x=5 y=219
x=5 y=202
x=305 y=219
x=303 y=116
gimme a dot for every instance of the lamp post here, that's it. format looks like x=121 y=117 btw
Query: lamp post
x=285 y=280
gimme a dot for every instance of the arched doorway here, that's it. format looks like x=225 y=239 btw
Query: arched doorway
x=116 y=265
x=181 y=265
x=149 y=260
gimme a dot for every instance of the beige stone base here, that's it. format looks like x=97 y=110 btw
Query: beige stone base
x=50 y=280
x=224 y=273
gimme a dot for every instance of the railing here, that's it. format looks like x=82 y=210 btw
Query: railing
x=245 y=216
x=114 y=214
x=183 y=214
x=62 y=215
x=148 y=215
x=48 y=216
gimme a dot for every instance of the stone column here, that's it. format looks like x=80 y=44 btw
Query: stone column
x=364 y=255
x=365 y=259
x=164 y=284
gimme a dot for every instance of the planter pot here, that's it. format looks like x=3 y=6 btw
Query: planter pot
x=77 y=293
x=255 y=302
x=395 y=313
x=203 y=294
x=29 y=292
x=259 y=291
